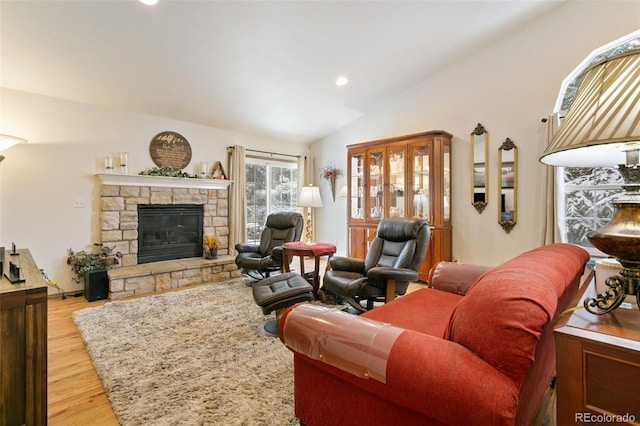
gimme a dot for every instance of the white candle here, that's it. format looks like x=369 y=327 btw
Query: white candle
x=203 y=167
x=123 y=159
x=108 y=162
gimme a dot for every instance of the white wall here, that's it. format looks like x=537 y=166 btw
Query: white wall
x=508 y=86
x=40 y=180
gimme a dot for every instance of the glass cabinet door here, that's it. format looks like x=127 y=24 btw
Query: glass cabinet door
x=357 y=186
x=420 y=156
x=396 y=182
x=446 y=170
x=376 y=185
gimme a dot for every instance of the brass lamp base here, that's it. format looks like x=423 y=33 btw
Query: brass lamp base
x=620 y=238
x=619 y=287
x=308 y=229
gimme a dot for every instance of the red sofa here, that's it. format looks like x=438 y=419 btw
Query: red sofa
x=467 y=350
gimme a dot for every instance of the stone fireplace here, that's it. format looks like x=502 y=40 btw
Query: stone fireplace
x=123 y=196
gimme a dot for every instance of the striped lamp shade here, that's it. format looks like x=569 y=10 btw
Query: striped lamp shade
x=604 y=119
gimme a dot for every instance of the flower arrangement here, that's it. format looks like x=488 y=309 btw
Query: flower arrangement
x=212 y=241
x=83 y=261
x=331 y=173
x=166 y=171
x=211 y=249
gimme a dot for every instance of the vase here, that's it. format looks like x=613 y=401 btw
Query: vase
x=211 y=253
x=332 y=185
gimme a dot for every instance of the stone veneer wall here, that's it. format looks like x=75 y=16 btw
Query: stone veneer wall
x=151 y=277
x=119 y=226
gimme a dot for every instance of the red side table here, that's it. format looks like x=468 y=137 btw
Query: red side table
x=315 y=250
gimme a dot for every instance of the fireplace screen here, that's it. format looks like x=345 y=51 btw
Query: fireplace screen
x=168 y=232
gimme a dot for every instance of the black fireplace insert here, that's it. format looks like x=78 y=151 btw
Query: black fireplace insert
x=167 y=232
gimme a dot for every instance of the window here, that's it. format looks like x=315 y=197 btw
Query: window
x=585 y=198
x=271 y=186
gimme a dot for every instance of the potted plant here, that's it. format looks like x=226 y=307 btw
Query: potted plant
x=211 y=247
x=91 y=268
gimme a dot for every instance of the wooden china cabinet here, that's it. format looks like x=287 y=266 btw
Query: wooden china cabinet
x=404 y=176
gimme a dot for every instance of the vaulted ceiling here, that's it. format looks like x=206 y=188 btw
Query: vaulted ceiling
x=263 y=67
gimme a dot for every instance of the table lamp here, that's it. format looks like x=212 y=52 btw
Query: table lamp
x=602 y=129
x=309 y=198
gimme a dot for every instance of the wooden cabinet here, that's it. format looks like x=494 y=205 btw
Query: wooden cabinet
x=404 y=176
x=598 y=366
x=23 y=345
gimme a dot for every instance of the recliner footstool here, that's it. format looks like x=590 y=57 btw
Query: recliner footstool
x=278 y=292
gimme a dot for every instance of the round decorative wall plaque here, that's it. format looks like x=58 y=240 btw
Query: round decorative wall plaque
x=170 y=149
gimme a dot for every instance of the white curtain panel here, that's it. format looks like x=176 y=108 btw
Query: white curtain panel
x=549 y=232
x=237 y=198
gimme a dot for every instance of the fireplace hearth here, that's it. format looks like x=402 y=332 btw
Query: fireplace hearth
x=167 y=232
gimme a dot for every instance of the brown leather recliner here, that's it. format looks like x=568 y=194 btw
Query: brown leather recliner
x=391 y=263
x=259 y=260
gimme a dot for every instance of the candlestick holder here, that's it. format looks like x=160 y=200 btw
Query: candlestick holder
x=203 y=169
x=124 y=163
x=108 y=164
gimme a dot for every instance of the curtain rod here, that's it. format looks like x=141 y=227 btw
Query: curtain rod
x=267 y=152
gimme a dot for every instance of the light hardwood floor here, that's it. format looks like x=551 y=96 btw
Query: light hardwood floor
x=75 y=393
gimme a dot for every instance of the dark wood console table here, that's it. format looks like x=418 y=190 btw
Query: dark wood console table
x=598 y=366
x=23 y=345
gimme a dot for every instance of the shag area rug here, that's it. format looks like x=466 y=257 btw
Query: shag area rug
x=192 y=357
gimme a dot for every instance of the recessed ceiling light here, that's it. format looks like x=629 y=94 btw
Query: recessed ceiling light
x=149 y=2
x=342 y=80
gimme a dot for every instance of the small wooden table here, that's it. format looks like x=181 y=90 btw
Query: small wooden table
x=598 y=365
x=315 y=250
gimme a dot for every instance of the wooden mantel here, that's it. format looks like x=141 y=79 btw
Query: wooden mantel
x=162 y=181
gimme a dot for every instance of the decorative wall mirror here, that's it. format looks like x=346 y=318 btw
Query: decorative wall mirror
x=508 y=185
x=479 y=168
